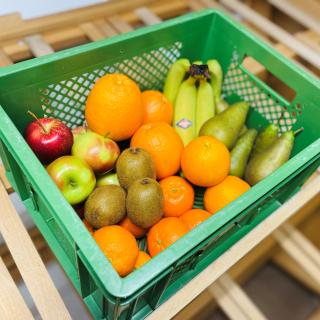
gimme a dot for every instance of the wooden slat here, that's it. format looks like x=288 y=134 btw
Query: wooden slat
x=12 y=305
x=274 y=31
x=29 y=263
x=226 y=303
x=92 y=31
x=303 y=243
x=305 y=254
x=20 y=28
x=105 y=28
x=235 y=253
x=195 y=5
x=307 y=218
x=305 y=12
x=233 y=300
x=147 y=16
x=310 y=38
x=4 y=180
x=164 y=9
x=119 y=24
x=315 y=315
x=38 y=46
x=4 y=59
x=290 y=266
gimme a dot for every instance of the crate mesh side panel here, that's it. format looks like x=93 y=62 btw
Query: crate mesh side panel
x=66 y=99
x=238 y=82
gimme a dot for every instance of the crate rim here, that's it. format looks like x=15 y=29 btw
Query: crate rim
x=103 y=273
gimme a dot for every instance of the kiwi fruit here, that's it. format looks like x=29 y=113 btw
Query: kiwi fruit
x=145 y=202
x=134 y=164
x=105 y=206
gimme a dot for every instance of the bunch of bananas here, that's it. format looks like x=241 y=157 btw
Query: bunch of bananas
x=195 y=92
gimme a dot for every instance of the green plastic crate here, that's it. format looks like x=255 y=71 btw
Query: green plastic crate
x=57 y=85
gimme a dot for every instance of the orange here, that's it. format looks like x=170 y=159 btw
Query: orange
x=164 y=145
x=164 y=233
x=194 y=217
x=143 y=258
x=178 y=196
x=114 y=107
x=119 y=246
x=205 y=161
x=215 y=198
x=88 y=226
x=136 y=231
x=157 y=108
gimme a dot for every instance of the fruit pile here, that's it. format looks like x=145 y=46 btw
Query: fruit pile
x=131 y=171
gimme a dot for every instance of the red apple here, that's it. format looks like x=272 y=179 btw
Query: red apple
x=73 y=177
x=99 y=152
x=49 y=138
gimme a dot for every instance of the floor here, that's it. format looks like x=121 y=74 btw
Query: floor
x=277 y=295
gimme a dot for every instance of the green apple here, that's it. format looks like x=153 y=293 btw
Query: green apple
x=73 y=177
x=99 y=152
x=108 y=178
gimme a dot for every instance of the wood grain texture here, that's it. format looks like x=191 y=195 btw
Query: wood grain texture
x=38 y=46
x=147 y=16
x=308 y=220
x=4 y=180
x=105 y=28
x=92 y=31
x=290 y=266
x=300 y=249
x=235 y=253
x=29 y=263
x=233 y=300
x=4 y=59
x=20 y=28
x=274 y=31
x=315 y=315
x=12 y=305
x=120 y=24
x=305 y=12
x=310 y=38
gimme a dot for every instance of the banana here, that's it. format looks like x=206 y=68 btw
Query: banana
x=185 y=110
x=216 y=79
x=174 y=79
x=205 y=108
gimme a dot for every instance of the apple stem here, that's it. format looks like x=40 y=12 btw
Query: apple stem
x=37 y=119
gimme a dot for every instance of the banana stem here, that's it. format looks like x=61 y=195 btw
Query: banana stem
x=199 y=71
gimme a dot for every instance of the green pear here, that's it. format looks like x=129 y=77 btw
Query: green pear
x=241 y=151
x=226 y=125
x=221 y=106
x=269 y=160
x=265 y=139
x=243 y=130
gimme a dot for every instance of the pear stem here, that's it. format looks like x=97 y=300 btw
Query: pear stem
x=37 y=119
x=298 y=131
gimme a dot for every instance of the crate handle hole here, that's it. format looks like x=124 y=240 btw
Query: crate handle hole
x=257 y=70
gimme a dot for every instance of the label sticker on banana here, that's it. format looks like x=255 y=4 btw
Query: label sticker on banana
x=184 y=123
